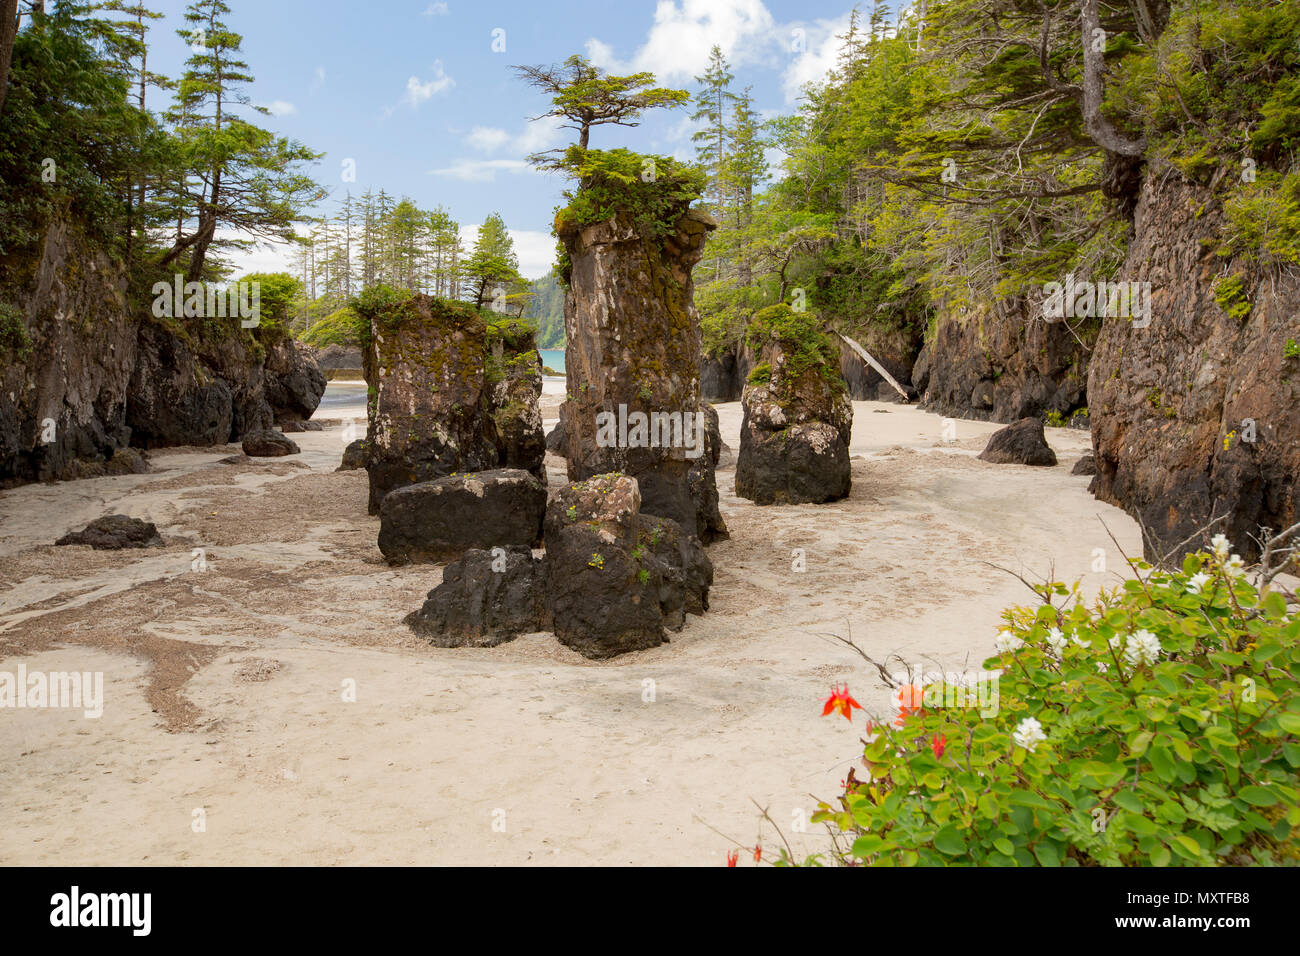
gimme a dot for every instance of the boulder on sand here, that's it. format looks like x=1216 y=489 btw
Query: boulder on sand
x=486 y=598
x=616 y=577
x=1087 y=465
x=354 y=456
x=603 y=599
x=1020 y=443
x=268 y=443
x=115 y=532
x=794 y=440
x=437 y=520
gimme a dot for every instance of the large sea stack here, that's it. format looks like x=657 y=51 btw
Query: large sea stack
x=632 y=353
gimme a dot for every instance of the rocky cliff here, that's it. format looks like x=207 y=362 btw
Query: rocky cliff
x=1003 y=366
x=1195 y=416
x=82 y=373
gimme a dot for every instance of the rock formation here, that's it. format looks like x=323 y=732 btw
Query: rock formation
x=441 y=519
x=486 y=598
x=611 y=581
x=1020 y=443
x=617 y=577
x=1195 y=416
x=93 y=376
x=794 y=441
x=449 y=393
x=115 y=532
x=632 y=356
x=268 y=443
x=1004 y=366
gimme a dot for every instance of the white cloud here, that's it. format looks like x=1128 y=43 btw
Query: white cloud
x=479 y=170
x=538 y=135
x=678 y=44
x=536 y=250
x=320 y=78
x=487 y=138
x=418 y=92
x=821 y=48
x=534 y=137
x=438 y=9
x=280 y=107
x=261 y=256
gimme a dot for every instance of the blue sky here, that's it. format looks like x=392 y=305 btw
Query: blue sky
x=415 y=94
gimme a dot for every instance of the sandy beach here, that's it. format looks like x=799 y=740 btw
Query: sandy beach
x=225 y=688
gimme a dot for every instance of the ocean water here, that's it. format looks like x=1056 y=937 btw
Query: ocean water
x=553 y=358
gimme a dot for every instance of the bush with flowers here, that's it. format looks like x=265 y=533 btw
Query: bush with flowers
x=1160 y=725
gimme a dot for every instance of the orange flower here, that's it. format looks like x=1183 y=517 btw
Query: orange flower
x=908 y=700
x=840 y=702
x=758 y=853
x=732 y=857
x=938 y=743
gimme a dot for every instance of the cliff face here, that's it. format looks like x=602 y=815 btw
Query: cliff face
x=1195 y=415
x=91 y=377
x=1003 y=368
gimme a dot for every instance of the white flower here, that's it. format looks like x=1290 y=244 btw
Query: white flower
x=1029 y=733
x=1235 y=566
x=1221 y=546
x=1056 y=642
x=1081 y=642
x=1008 y=642
x=1197 y=581
x=1143 y=648
x=1101 y=667
x=1114 y=641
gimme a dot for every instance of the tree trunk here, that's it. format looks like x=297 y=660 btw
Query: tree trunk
x=1099 y=128
x=8 y=31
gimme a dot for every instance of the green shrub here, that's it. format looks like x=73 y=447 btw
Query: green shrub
x=805 y=344
x=13 y=332
x=652 y=191
x=341 y=327
x=1157 y=726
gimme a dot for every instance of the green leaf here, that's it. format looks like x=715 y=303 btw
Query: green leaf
x=1258 y=796
x=1290 y=723
x=1129 y=801
x=949 y=841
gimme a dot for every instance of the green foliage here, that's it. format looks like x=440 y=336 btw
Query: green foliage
x=1170 y=736
x=805 y=344
x=68 y=137
x=546 y=311
x=13 y=333
x=586 y=96
x=383 y=306
x=1291 y=349
x=277 y=291
x=492 y=265
x=651 y=191
x=341 y=327
x=1230 y=293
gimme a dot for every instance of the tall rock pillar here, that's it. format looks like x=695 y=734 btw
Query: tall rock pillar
x=632 y=358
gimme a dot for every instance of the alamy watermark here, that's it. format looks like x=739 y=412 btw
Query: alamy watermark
x=623 y=429
x=201 y=299
x=956 y=690
x=1122 y=300
x=57 y=689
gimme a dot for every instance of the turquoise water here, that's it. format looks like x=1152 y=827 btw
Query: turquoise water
x=553 y=358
